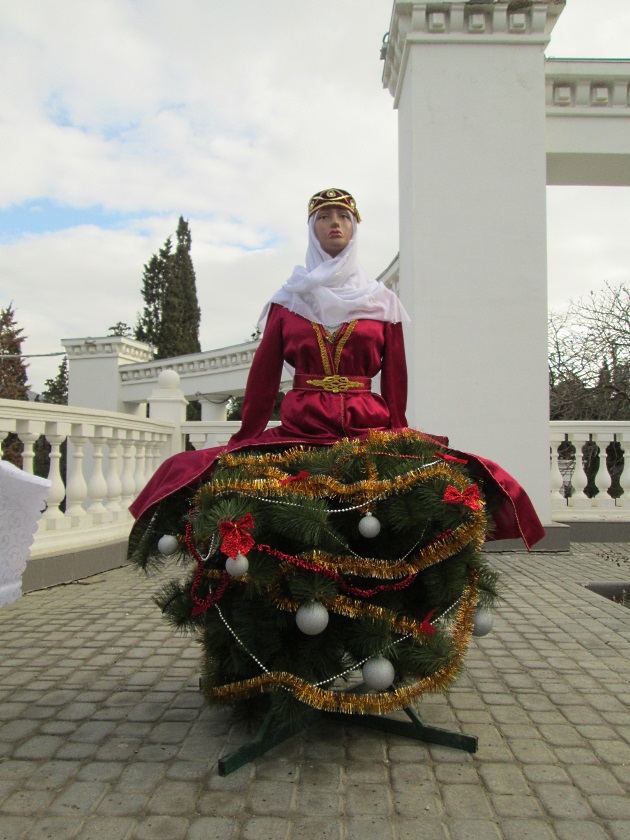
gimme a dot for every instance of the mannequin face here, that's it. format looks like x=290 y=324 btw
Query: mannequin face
x=333 y=229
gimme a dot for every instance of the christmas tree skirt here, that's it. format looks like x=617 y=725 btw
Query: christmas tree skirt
x=303 y=568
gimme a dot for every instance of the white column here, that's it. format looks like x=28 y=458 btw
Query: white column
x=469 y=85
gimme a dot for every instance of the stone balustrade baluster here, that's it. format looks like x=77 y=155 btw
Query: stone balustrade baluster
x=53 y=518
x=558 y=501
x=139 y=474
x=113 y=473
x=624 y=500
x=156 y=451
x=579 y=480
x=97 y=485
x=128 y=483
x=29 y=432
x=603 y=500
x=76 y=485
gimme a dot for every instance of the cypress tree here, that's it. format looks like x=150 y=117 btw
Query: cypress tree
x=56 y=389
x=154 y=282
x=171 y=315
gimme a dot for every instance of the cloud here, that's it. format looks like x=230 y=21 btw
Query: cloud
x=123 y=114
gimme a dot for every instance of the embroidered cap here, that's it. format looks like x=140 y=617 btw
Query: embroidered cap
x=333 y=198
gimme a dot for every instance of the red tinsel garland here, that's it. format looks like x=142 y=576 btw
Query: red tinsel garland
x=347 y=587
x=213 y=597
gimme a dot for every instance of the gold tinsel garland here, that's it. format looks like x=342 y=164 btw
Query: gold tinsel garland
x=270 y=483
x=350 y=703
x=269 y=473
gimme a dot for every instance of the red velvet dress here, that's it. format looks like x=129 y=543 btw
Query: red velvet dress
x=331 y=399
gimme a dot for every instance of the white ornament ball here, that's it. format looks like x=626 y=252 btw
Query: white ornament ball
x=237 y=566
x=312 y=618
x=168 y=544
x=482 y=623
x=369 y=526
x=378 y=673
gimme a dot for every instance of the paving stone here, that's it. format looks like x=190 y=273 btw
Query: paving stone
x=532 y=752
x=619 y=829
x=106 y=828
x=265 y=828
x=55 y=828
x=26 y=802
x=207 y=828
x=595 y=780
x=225 y=803
x=582 y=830
x=377 y=828
x=311 y=801
x=502 y=778
x=526 y=829
x=15 y=828
x=38 y=747
x=422 y=803
x=611 y=807
x=162 y=828
x=515 y=805
x=551 y=773
x=172 y=798
x=466 y=801
x=563 y=801
x=474 y=830
x=316 y=829
x=431 y=830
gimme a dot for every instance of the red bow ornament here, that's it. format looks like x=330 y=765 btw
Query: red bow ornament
x=426 y=627
x=234 y=537
x=470 y=497
x=451 y=458
x=297 y=477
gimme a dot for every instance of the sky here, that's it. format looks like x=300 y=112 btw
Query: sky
x=122 y=115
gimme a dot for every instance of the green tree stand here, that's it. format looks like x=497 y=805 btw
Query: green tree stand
x=268 y=737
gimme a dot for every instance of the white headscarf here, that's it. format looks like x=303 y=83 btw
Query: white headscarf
x=335 y=290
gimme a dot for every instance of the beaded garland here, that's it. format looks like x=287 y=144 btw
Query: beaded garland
x=288 y=479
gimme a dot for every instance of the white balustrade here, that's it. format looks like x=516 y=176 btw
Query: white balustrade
x=110 y=456
x=602 y=505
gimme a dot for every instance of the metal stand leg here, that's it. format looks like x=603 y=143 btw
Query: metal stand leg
x=417 y=730
x=263 y=741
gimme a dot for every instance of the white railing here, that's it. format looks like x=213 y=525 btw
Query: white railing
x=579 y=489
x=110 y=457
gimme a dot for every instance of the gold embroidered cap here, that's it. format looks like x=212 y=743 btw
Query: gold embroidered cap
x=333 y=198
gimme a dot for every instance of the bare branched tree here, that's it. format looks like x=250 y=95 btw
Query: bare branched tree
x=589 y=357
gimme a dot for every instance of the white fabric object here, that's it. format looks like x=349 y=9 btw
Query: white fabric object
x=335 y=290
x=22 y=501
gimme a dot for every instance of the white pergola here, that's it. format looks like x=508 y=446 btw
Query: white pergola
x=485 y=123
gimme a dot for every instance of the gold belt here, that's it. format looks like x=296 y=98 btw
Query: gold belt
x=334 y=384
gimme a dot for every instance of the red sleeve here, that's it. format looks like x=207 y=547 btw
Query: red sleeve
x=394 y=375
x=263 y=381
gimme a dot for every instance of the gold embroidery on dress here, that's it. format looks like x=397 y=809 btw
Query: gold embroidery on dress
x=342 y=343
x=323 y=334
x=322 y=349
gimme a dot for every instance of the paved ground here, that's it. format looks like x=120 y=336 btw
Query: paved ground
x=103 y=733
